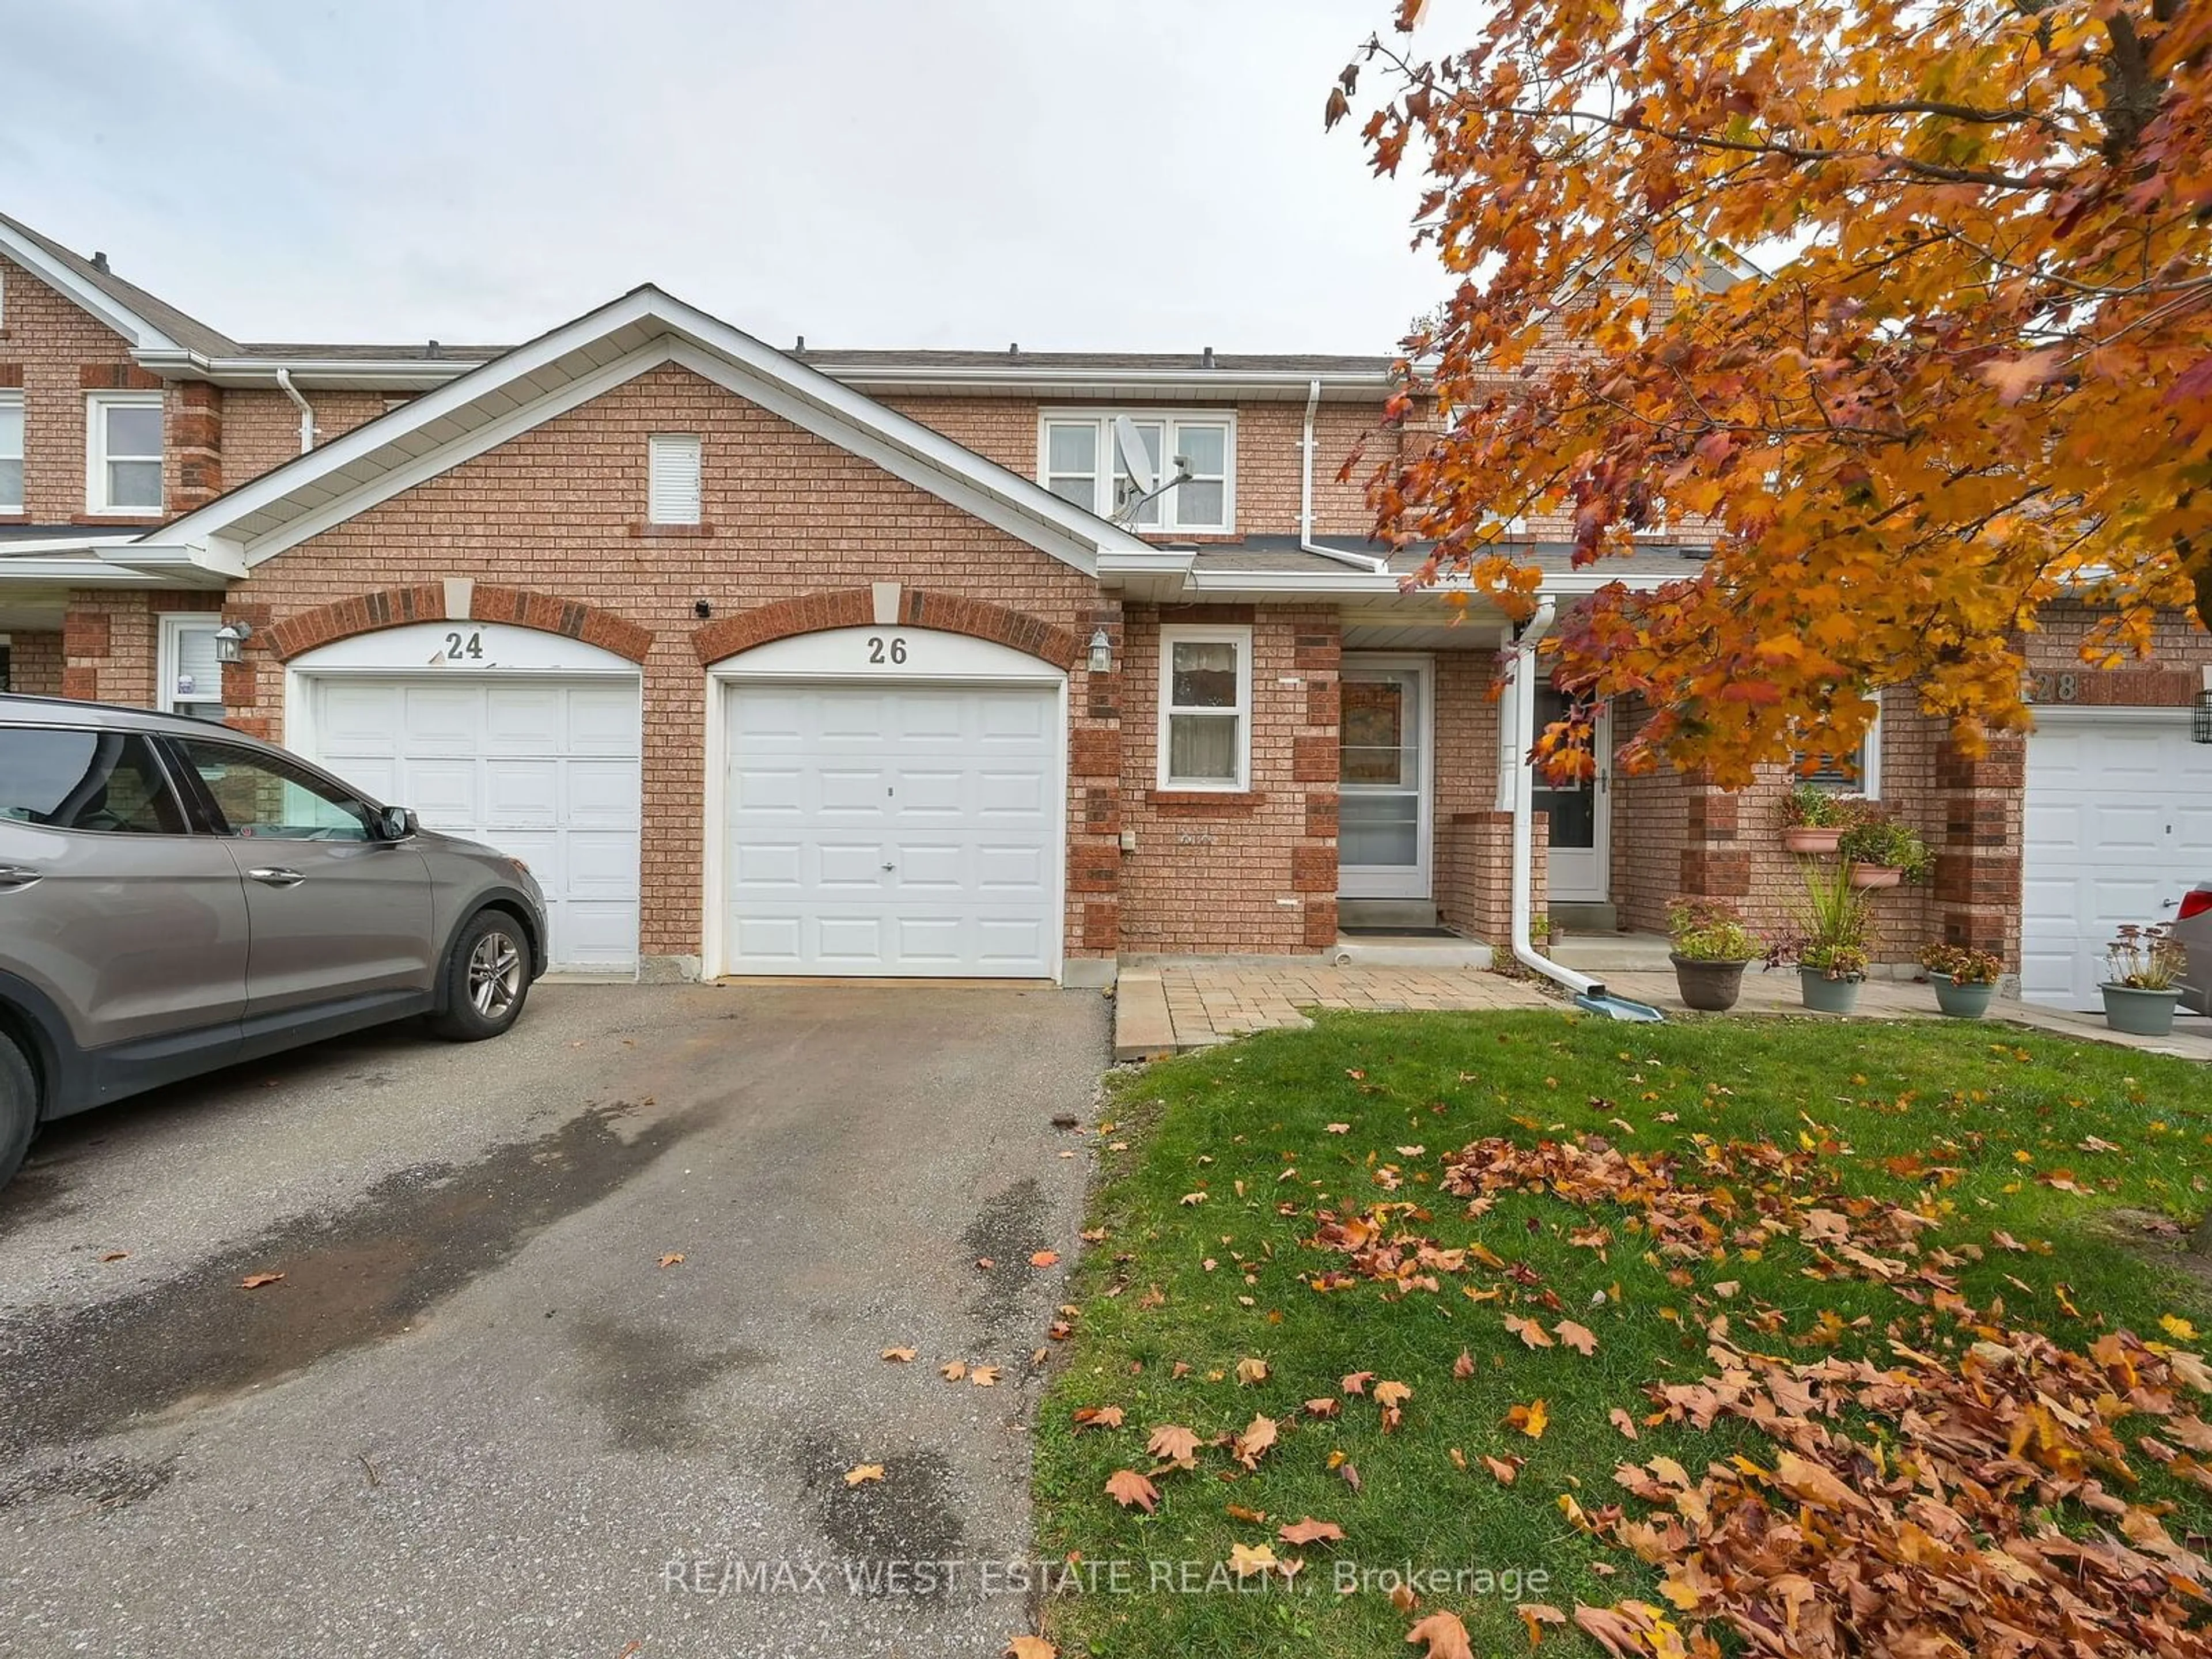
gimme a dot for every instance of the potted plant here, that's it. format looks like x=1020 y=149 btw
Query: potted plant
x=1711 y=948
x=1828 y=945
x=1965 y=979
x=1813 y=819
x=2144 y=964
x=1882 y=852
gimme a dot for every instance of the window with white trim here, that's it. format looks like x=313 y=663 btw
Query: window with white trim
x=672 y=494
x=191 y=673
x=1078 y=460
x=1858 y=773
x=1206 y=708
x=11 y=452
x=123 y=453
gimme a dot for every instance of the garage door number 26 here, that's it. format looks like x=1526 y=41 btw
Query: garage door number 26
x=881 y=651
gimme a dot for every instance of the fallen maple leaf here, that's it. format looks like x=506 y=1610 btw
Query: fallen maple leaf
x=1445 y=1635
x=1310 y=1531
x=1336 y=1128
x=1532 y=1419
x=1175 y=1443
x=1097 y=1417
x=1130 y=1489
x=1323 y=1406
x=985 y=1376
x=861 y=1474
x=1029 y=1647
x=1392 y=1394
x=1535 y=1614
x=1528 y=1331
x=1245 y=1559
x=954 y=1371
x=674 y=1258
x=1044 y=1258
x=1258 y=1435
x=1580 y=1338
x=1241 y=1512
x=2177 y=1327
x=1191 y=1198
x=1357 y=1382
x=255 y=1281
x=1251 y=1370
x=1464 y=1367
x=1621 y=1420
x=898 y=1356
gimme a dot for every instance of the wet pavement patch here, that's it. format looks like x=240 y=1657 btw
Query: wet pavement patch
x=645 y=1378
x=350 y=1277
x=908 y=1516
x=1015 y=1223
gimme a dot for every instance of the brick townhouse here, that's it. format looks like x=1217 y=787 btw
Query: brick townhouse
x=830 y=662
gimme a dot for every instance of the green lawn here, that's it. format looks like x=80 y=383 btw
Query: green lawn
x=2000 y=1137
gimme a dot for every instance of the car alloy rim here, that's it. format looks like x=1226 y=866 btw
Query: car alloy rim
x=494 y=975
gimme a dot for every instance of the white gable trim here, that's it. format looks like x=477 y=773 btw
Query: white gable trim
x=31 y=257
x=581 y=361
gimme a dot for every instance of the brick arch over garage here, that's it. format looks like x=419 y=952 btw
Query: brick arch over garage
x=482 y=602
x=916 y=607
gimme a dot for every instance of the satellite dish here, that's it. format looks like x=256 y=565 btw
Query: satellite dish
x=1129 y=444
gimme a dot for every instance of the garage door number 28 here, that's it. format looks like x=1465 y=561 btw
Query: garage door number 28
x=881 y=651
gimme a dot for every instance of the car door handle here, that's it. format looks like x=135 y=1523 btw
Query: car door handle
x=12 y=876
x=277 y=878
x=2167 y=904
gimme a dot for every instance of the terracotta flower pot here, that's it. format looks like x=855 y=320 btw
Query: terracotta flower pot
x=1875 y=875
x=1710 y=986
x=1810 y=838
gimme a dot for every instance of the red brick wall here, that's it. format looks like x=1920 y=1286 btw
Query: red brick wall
x=787 y=514
x=261 y=428
x=1252 y=873
x=34 y=664
x=54 y=350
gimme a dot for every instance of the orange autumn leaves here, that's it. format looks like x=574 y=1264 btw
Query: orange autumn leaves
x=1975 y=376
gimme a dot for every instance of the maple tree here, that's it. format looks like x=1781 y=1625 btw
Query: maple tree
x=1908 y=306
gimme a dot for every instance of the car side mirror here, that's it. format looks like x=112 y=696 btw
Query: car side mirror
x=396 y=823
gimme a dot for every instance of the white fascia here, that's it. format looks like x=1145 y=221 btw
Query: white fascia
x=59 y=278
x=312 y=373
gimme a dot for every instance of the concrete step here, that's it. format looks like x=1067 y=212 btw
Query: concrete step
x=1409 y=951
x=1612 y=953
x=1142 y=1028
x=1386 y=912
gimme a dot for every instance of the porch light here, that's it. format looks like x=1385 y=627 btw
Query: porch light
x=230 y=641
x=1101 y=656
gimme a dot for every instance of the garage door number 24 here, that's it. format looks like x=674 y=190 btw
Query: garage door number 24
x=470 y=645
x=881 y=651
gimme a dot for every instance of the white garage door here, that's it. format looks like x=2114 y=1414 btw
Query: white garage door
x=547 y=769
x=909 y=830
x=2118 y=825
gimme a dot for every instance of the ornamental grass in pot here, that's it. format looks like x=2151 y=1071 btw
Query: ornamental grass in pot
x=2143 y=970
x=1882 y=852
x=1829 y=941
x=1966 y=980
x=1710 y=949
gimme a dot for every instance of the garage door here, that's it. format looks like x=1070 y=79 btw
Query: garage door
x=887 y=830
x=2118 y=824
x=545 y=769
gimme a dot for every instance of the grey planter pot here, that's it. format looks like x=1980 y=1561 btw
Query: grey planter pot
x=1710 y=986
x=2138 y=1012
x=1824 y=995
x=1962 y=1001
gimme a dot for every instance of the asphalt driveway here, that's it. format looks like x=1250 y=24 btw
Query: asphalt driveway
x=477 y=1416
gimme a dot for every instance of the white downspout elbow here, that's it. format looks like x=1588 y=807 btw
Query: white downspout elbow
x=306 y=411
x=1521 y=709
x=1307 y=445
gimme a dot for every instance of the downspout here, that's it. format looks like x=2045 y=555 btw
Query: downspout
x=306 y=413
x=1588 y=993
x=1306 y=543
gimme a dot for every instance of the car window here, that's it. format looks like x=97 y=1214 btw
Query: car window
x=261 y=795
x=105 y=781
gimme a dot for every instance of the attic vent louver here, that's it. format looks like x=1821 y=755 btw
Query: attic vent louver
x=672 y=478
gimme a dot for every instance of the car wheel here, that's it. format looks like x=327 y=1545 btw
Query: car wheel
x=487 y=978
x=19 y=1107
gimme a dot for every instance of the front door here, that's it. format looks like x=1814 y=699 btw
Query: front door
x=1581 y=837
x=1383 y=779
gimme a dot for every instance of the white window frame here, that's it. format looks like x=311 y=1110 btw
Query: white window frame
x=689 y=444
x=1101 y=422
x=96 y=405
x=1868 y=782
x=13 y=398
x=1201 y=634
x=174 y=623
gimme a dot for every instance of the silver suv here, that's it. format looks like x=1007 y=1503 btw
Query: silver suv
x=175 y=896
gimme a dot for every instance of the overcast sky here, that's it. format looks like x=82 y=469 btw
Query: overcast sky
x=1131 y=174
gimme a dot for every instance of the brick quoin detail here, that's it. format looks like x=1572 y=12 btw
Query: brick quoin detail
x=396 y=607
x=1313 y=868
x=1713 y=872
x=855 y=607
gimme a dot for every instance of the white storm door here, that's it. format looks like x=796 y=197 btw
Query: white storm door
x=545 y=769
x=1384 y=796
x=1577 y=863
x=910 y=831
x=2118 y=825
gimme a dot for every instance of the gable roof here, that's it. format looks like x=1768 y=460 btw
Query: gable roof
x=150 y=323
x=568 y=366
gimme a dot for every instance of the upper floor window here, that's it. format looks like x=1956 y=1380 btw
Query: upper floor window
x=11 y=452
x=671 y=485
x=1080 y=457
x=123 y=452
